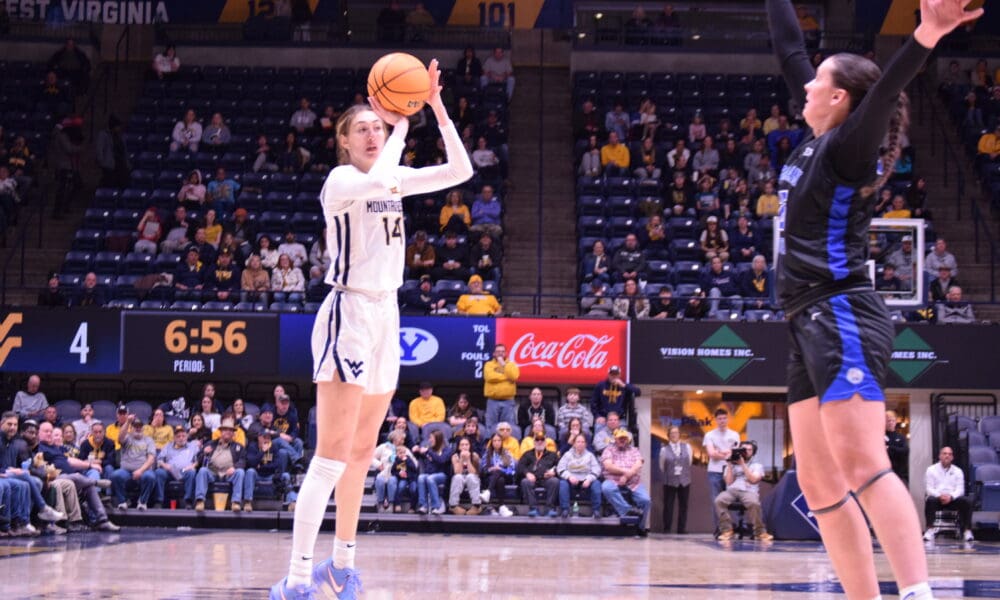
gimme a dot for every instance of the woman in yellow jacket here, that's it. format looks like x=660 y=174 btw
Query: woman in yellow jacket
x=455 y=214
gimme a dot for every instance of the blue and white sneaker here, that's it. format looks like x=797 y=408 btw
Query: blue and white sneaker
x=283 y=591
x=336 y=584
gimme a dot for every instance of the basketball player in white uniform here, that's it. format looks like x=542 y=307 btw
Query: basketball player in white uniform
x=356 y=335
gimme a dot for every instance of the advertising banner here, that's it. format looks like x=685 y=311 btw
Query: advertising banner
x=756 y=354
x=441 y=349
x=510 y=14
x=565 y=351
x=147 y=12
x=704 y=353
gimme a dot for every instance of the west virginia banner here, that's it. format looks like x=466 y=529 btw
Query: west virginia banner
x=146 y=12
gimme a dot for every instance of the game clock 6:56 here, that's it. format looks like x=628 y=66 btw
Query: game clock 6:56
x=205 y=336
x=206 y=344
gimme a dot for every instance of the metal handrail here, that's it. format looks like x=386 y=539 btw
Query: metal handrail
x=980 y=225
x=20 y=249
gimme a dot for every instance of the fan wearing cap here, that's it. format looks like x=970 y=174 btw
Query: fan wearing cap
x=423 y=300
x=420 y=255
x=223 y=279
x=537 y=468
x=426 y=408
x=622 y=463
x=714 y=240
x=243 y=230
x=225 y=460
x=136 y=462
x=476 y=302
x=944 y=280
x=114 y=429
x=178 y=461
x=265 y=462
x=189 y=277
x=613 y=394
x=904 y=259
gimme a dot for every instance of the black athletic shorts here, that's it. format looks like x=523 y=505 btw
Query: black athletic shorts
x=840 y=347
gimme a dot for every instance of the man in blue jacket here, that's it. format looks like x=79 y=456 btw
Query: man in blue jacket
x=614 y=394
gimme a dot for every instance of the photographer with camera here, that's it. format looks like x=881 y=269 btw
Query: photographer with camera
x=742 y=475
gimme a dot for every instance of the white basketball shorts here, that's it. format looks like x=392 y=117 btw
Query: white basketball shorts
x=356 y=339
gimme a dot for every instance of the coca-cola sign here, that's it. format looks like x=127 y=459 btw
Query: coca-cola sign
x=564 y=351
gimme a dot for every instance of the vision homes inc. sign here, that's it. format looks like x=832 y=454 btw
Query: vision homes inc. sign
x=756 y=355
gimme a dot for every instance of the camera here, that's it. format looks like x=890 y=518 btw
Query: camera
x=738 y=453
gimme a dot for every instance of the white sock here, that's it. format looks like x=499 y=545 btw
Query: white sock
x=343 y=553
x=920 y=591
x=322 y=476
x=879 y=597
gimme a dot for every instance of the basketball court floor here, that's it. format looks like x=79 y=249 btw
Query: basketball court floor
x=144 y=563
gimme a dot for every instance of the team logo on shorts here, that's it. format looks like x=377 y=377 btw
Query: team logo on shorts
x=855 y=375
x=356 y=367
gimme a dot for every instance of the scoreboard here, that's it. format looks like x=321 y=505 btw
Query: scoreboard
x=60 y=341
x=111 y=342
x=200 y=343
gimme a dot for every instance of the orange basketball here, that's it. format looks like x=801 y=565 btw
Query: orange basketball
x=400 y=82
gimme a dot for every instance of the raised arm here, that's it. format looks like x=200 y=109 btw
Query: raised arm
x=458 y=168
x=344 y=186
x=789 y=48
x=855 y=144
x=857 y=141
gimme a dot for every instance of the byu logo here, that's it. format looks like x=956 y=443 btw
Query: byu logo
x=355 y=367
x=416 y=346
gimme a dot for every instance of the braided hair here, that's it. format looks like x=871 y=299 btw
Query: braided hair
x=857 y=74
x=899 y=122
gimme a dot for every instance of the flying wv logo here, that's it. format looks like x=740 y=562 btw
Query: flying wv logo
x=356 y=367
x=8 y=343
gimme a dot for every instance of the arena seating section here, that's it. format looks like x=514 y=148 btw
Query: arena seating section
x=23 y=114
x=607 y=206
x=976 y=444
x=972 y=122
x=253 y=101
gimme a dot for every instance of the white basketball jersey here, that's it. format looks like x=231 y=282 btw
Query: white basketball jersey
x=367 y=241
x=364 y=211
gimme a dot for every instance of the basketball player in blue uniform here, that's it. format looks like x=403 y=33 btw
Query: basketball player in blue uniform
x=356 y=334
x=841 y=334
